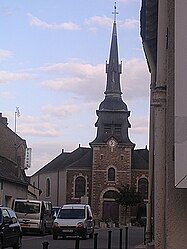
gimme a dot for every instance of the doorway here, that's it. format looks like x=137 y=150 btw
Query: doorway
x=110 y=211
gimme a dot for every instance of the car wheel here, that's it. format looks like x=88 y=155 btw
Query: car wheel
x=18 y=245
x=84 y=235
x=43 y=231
x=55 y=237
x=91 y=236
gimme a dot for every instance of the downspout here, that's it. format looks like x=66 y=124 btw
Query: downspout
x=160 y=129
x=39 y=181
x=58 y=185
x=149 y=225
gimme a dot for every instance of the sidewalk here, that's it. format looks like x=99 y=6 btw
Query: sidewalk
x=150 y=246
x=140 y=247
x=132 y=236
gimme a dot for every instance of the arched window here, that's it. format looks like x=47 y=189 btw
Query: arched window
x=80 y=187
x=143 y=187
x=48 y=187
x=111 y=174
x=111 y=194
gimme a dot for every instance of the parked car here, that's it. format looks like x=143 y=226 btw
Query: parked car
x=55 y=210
x=34 y=216
x=10 y=229
x=74 y=220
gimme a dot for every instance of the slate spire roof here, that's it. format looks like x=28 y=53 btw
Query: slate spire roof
x=113 y=68
x=113 y=100
x=113 y=112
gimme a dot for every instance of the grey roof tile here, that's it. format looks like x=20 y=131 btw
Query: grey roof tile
x=140 y=159
x=9 y=172
x=67 y=159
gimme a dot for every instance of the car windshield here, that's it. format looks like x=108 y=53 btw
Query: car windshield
x=71 y=214
x=27 y=207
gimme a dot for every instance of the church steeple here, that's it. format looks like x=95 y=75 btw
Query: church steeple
x=113 y=113
x=113 y=68
x=113 y=92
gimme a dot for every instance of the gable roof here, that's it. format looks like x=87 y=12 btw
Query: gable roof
x=85 y=161
x=80 y=157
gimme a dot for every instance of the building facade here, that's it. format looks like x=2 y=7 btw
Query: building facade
x=94 y=174
x=167 y=203
x=13 y=181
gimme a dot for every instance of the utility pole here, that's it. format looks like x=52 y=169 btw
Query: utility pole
x=16 y=114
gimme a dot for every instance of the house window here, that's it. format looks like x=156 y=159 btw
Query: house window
x=80 y=187
x=111 y=174
x=143 y=187
x=48 y=187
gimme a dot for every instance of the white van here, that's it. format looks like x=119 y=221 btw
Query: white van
x=74 y=220
x=34 y=215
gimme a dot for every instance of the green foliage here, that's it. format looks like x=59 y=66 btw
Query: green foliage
x=128 y=196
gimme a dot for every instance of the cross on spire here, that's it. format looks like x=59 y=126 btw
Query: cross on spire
x=115 y=12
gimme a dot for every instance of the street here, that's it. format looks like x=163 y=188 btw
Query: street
x=135 y=240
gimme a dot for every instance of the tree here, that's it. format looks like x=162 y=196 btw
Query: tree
x=128 y=197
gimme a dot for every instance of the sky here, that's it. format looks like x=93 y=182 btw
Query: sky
x=53 y=55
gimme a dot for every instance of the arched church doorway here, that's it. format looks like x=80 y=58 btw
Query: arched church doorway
x=110 y=207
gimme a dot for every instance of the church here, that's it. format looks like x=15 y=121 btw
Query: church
x=93 y=174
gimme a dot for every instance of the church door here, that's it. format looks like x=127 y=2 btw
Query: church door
x=110 y=210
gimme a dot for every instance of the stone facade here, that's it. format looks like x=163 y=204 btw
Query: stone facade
x=104 y=157
x=98 y=186
x=71 y=178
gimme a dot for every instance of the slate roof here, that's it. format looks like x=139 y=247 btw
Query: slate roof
x=140 y=159
x=113 y=111
x=113 y=103
x=8 y=172
x=149 y=26
x=81 y=158
x=85 y=162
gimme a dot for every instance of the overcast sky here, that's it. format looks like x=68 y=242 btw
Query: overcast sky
x=52 y=66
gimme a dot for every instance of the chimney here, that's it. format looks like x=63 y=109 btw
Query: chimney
x=3 y=120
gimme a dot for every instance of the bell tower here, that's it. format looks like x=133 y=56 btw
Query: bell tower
x=112 y=148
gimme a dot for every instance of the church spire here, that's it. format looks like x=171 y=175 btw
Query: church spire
x=113 y=68
x=113 y=113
